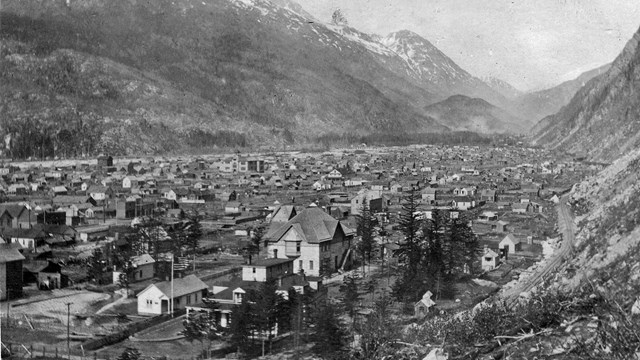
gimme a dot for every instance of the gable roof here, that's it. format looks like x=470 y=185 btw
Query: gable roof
x=9 y=253
x=490 y=253
x=181 y=286
x=143 y=260
x=280 y=217
x=283 y=214
x=313 y=225
x=12 y=209
x=511 y=238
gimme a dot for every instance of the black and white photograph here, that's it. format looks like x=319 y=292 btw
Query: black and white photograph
x=319 y=179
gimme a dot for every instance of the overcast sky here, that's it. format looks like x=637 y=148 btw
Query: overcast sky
x=532 y=44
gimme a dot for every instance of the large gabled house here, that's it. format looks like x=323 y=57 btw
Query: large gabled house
x=312 y=238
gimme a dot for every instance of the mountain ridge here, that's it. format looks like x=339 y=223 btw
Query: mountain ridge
x=600 y=121
x=539 y=104
x=463 y=113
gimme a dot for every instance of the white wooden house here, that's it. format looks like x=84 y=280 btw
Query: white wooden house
x=155 y=298
x=490 y=259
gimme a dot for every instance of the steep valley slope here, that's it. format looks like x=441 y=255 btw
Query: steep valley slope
x=602 y=120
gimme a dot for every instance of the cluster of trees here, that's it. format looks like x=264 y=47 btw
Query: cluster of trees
x=64 y=133
x=435 y=252
x=148 y=238
x=262 y=311
x=404 y=139
x=199 y=138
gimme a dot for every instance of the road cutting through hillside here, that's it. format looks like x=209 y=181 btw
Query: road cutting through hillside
x=567 y=226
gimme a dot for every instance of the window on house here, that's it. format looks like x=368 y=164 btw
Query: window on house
x=188 y=299
x=310 y=264
x=298 y=247
x=300 y=264
x=254 y=270
x=177 y=301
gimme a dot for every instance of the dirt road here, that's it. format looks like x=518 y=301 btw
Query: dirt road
x=568 y=229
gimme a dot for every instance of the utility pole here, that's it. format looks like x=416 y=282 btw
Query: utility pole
x=68 y=323
x=171 y=300
x=1 y=327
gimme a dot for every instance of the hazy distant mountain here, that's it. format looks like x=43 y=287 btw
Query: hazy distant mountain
x=460 y=112
x=507 y=90
x=601 y=121
x=538 y=104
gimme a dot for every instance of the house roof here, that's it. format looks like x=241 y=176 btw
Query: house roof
x=490 y=253
x=283 y=214
x=181 y=286
x=34 y=233
x=143 y=260
x=44 y=266
x=97 y=189
x=280 y=217
x=268 y=262
x=313 y=225
x=13 y=209
x=511 y=238
x=9 y=253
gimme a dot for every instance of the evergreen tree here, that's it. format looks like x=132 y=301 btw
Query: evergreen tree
x=204 y=328
x=267 y=304
x=240 y=328
x=467 y=246
x=437 y=252
x=378 y=333
x=97 y=265
x=256 y=240
x=193 y=235
x=330 y=335
x=365 y=230
x=410 y=251
x=123 y=261
x=349 y=291
x=149 y=236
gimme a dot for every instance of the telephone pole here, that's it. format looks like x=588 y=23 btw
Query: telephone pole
x=68 y=322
